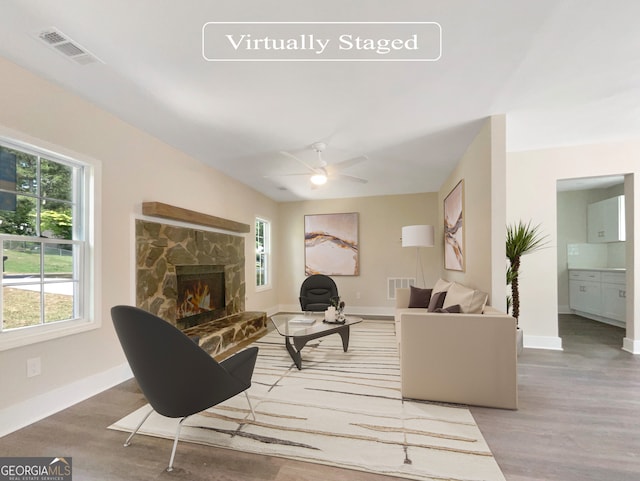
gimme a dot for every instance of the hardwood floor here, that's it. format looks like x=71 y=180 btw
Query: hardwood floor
x=579 y=412
x=579 y=419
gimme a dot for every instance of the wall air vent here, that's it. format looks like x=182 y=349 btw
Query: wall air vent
x=67 y=47
x=395 y=282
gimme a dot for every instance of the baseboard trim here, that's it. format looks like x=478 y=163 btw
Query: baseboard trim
x=39 y=407
x=543 y=342
x=269 y=310
x=631 y=345
x=564 y=309
x=606 y=320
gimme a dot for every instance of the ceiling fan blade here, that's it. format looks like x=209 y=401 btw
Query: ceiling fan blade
x=352 y=178
x=308 y=166
x=285 y=175
x=349 y=162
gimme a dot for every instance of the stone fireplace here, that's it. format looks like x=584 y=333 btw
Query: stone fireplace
x=188 y=276
x=195 y=280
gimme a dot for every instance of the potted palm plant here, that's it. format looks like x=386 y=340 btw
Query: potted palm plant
x=521 y=239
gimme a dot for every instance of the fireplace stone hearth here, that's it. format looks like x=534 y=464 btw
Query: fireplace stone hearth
x=218 y=336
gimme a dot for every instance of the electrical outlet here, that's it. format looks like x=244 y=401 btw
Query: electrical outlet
x=358 y=295
x=34 y=367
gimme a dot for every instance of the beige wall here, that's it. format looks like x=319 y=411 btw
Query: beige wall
x=482 y=168
x=381 y=252
x=135 y=168
x=531 y=195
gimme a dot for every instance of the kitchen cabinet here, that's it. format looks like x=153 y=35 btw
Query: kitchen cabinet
x=598 y=295
x=605 y=220
x=585 y=291
x=614 y=296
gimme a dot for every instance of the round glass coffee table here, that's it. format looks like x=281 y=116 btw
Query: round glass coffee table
x=298 y=329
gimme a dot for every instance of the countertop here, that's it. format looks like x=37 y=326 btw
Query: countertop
x=602 y=269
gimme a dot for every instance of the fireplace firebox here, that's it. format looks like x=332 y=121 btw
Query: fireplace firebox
x=201 y=294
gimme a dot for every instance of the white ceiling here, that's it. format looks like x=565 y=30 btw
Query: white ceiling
x=563 y=71
x=587 y=183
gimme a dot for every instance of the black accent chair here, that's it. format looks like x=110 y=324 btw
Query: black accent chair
x=317 y=293
x=177 y=377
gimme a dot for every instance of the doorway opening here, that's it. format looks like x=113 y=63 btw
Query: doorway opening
x=591 y=245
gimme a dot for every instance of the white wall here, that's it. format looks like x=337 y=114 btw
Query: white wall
x=381 y=252
x=136 y=167
x=531 y=195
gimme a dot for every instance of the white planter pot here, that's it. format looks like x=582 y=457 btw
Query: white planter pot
x=519 y=341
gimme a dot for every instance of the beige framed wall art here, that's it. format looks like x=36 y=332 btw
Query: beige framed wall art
x=454 y=229
x=331 y=244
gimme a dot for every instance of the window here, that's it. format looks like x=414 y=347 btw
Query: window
x=262 y=252
x=43 y=240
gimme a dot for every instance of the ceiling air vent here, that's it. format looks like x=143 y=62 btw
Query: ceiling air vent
x=67 y=47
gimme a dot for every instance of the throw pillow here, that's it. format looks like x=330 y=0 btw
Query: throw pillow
x=437 y=299
x=419 y=297
x=478 y=302
x=470 y=300
x=441 y=286
x=451 y=309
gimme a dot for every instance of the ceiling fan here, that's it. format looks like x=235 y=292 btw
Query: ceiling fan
x=324 y=171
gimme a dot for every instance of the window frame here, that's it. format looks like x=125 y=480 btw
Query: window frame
x=87 y=257
x=266 y=255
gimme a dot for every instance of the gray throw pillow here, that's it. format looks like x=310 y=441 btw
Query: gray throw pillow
x=419 y=297
x=455 y=309
x=437 y=300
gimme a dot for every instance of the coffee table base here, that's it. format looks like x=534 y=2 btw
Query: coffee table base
x=300 y=341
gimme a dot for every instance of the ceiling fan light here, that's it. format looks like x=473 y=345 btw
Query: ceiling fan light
x=318 y=179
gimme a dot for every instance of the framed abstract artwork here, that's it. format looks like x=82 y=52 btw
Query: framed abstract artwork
x=331 y=244
x=454 y=229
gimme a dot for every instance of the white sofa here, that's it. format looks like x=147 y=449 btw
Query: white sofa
x=460 y=358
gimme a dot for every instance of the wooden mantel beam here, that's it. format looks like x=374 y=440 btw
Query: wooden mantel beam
x=166 y=211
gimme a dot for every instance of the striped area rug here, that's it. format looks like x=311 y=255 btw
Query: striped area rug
x=341 y=409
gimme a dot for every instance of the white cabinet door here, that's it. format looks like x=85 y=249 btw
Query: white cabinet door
x=613 y=222
x=614 y=301
x=614 y=295
x=605 y=220
x=595 y=222
x=585 y=296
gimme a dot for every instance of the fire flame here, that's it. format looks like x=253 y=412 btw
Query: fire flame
x=196 y=300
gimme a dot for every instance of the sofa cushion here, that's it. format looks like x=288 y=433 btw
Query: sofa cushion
x=470 y=300
x=419 y=297
x=441 y=286
x=437 y=299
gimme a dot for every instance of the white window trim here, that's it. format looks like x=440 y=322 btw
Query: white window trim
x=92 y=216
x=267 y=286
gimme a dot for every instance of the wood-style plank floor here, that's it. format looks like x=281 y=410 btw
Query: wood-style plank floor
x=579 y=410
x=579 y=419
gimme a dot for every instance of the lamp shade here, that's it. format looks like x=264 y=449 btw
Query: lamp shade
x=417 y=236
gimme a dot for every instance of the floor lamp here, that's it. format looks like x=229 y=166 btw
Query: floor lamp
x=418 y=236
